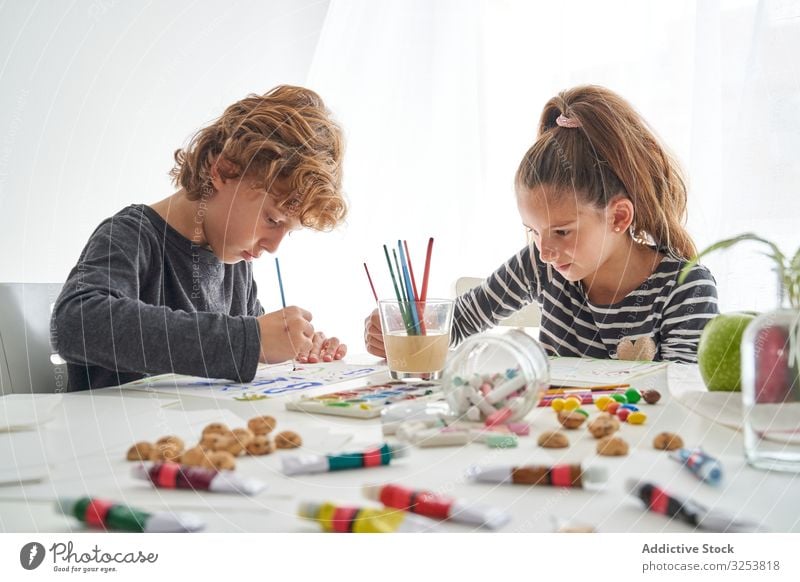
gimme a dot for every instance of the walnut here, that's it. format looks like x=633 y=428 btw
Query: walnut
x=667 y=441
x=612 y=447
x=553 y=439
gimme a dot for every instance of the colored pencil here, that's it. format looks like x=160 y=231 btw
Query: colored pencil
x=374 y=294
x=558 y=389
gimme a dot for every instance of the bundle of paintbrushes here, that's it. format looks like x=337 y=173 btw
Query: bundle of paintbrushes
x=410 y=300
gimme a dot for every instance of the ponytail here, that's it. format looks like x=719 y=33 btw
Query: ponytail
x=591 y=141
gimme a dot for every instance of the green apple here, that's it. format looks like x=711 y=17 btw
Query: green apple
x=719 y=351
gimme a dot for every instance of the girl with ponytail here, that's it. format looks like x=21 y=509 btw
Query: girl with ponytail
x=604 y=205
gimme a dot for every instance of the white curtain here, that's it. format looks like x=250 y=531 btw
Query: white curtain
x=440 y=99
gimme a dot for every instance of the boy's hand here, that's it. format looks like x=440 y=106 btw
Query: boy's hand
x=373 y=335
x=285 y=334
x=323 y=350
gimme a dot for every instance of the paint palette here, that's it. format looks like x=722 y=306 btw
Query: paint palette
x=366 y=401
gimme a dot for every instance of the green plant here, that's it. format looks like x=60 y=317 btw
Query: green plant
x=788 y=270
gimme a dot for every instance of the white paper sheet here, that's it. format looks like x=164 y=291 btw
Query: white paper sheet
x=591 y=372
x=270 y=381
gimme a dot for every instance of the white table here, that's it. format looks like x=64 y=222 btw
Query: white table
x=87 y=441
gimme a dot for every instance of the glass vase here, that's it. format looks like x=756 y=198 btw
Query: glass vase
x=771 y=390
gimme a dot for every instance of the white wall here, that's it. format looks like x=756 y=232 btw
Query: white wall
x=97 y=94
x=439 y=100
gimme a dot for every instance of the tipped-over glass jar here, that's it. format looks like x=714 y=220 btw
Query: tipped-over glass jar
x=497 y=374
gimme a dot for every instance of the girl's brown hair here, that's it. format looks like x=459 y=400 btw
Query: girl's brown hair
x=286 y=134
x=612 y=152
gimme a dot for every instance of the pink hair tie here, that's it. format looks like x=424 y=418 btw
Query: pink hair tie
x=570 y=122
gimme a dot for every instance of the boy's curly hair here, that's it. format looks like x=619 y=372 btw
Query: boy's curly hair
x=287 y=135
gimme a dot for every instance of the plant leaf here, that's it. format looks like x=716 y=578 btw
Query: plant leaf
x=795 y=264
x=776 y=254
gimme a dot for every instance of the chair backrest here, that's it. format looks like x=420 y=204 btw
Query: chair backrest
x=528 y=316
x=28 y=363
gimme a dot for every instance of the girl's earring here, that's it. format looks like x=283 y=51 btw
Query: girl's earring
x=616 y=229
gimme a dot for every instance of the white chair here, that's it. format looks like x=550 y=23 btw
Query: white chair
x=528 y=316
x=28 y=363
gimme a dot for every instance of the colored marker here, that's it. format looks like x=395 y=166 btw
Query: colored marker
x=436 y=506
x=306 y=464
x=175 y=476
x=342 y=519
x=115 y=516
x=702 y=466
x=659 y=501
x=557 y=475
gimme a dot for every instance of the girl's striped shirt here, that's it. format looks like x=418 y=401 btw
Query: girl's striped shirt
x=672 y=314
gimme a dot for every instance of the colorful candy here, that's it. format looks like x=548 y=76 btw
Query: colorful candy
x=519 y=428
x=479 y=396
x=498 y=417
x=572 y=403
x=612 y=407
x=622 y=414
x=620 y=398
x=651 y=396
x=602 y=402
x=501 y=441
x=633 y=395
x=637 y=418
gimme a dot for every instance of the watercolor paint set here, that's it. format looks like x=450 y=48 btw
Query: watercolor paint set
x=366 y=401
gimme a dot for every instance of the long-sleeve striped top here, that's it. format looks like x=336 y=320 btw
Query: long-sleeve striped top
x=672 y=315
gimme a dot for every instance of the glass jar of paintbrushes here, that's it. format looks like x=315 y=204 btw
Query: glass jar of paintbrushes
x=416 y=329
x=416 y=336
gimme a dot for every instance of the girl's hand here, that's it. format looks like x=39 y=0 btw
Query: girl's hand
x=284 y=334
x=323 y=350
x=373 y=335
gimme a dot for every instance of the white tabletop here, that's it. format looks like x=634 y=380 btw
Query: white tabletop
x=85 y=445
